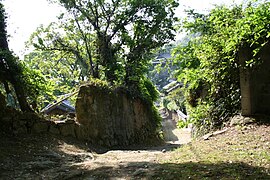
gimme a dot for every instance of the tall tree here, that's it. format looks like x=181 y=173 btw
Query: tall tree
x=10 y=70
x=117 y=36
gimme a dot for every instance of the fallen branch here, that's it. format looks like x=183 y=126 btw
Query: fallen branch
x=206 y=137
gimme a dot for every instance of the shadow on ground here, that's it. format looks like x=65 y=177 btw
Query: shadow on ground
x=49 y=157
x=189 y=170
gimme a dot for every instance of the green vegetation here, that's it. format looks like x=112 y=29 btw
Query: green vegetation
x=114 y=42
x=240 y=153
x=16 y=79
x=107 y=40
x=148 y=95
x=110 y=44
x=208 y=64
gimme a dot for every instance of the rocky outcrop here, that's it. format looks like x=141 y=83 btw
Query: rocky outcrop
x=113 y=118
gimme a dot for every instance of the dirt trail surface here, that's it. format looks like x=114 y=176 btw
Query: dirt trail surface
x=173 y=135
x=238 y=153
x=51 y=157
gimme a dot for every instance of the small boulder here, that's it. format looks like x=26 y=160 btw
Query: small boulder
x=241 y=120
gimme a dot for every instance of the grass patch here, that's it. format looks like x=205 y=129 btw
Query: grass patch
x=238 y=154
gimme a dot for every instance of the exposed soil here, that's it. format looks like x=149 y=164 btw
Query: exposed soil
x=219 y=157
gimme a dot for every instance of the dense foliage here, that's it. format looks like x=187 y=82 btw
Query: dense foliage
x=108 y=40
x=209 y=65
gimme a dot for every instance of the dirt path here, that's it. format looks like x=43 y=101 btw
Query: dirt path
x=50 y=157
x=240 y=153
x=142 y=163
x=174 y=135
x=129 y=164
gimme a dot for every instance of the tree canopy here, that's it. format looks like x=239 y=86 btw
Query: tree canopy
x=109 y=40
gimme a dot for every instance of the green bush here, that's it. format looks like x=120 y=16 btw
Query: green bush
x=208 y=64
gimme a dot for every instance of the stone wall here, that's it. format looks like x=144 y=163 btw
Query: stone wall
x=255 y=83
x=106 y=118
x=15 y=122
x=112 y=118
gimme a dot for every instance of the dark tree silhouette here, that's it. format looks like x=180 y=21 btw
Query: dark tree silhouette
x=10 y=70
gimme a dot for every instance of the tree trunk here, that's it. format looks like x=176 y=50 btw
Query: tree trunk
x=9 y=68
x=21 y=97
